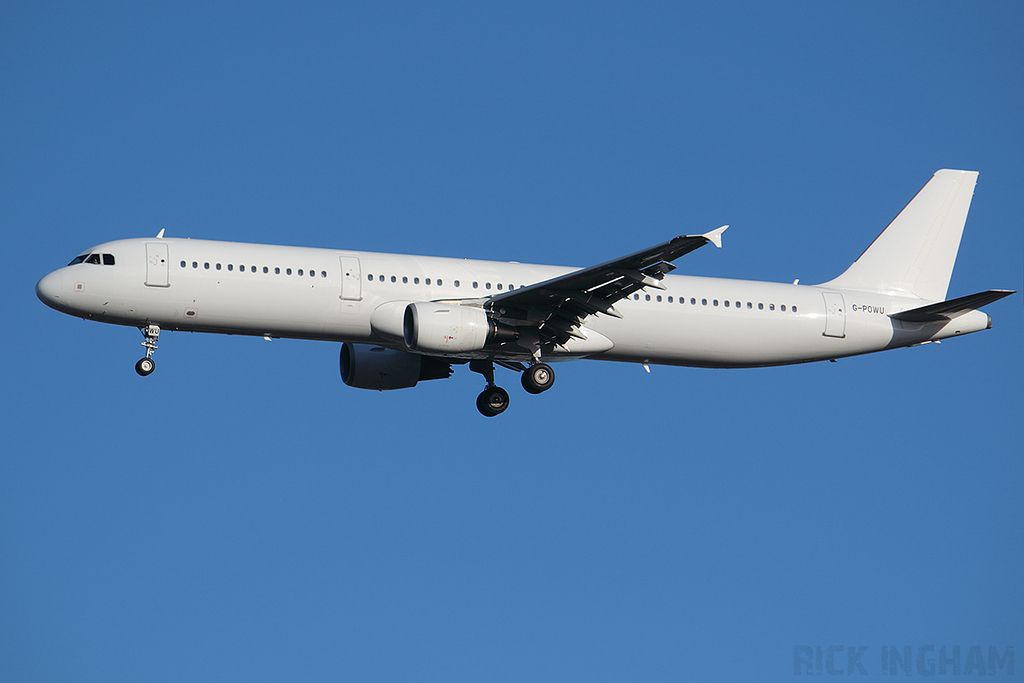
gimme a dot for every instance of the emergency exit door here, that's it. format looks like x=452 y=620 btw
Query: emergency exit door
x=351 y=279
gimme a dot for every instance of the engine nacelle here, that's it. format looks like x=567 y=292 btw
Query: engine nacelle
x=374 y=367
x=437 y=328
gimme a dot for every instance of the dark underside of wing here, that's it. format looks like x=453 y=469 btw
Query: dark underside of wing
x=557 y=307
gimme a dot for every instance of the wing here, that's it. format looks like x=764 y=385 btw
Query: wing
x=556 y=307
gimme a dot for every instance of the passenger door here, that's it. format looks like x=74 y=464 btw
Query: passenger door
x=835 y=314
x=156 y=264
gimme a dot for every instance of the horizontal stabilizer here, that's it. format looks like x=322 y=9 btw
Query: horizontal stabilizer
x=945 y=310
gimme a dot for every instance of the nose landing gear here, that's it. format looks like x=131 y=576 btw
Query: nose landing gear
x=151 y=334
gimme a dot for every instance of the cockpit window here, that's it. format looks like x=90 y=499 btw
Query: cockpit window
x=107 y=259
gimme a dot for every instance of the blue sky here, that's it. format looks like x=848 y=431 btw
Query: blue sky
x=243 y=515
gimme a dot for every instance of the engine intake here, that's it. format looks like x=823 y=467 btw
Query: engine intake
x=441 y=329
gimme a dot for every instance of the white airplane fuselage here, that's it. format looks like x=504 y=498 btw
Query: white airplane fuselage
x=405 y=319
x=694 y=321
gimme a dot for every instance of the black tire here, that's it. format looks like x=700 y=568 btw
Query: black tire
x=538 y=378
x=145 y=366
x=492 y=401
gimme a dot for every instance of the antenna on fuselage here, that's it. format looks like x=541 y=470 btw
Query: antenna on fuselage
x=160 y=235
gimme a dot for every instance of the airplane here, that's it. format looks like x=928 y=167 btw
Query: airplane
x=404 y=319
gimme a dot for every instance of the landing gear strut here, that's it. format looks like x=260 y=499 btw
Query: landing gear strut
x=493 y=400
x=151 y=334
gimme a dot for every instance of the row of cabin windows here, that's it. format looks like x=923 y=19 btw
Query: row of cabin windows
x=95 y=259
x=439 y=282
x=266 y=269
x=715 y=302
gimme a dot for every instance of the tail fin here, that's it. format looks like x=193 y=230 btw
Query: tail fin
x=914 y=256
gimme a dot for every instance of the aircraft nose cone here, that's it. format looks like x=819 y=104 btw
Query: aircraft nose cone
x=49 y=289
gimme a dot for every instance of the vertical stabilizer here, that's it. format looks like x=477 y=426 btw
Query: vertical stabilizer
x=914 y=255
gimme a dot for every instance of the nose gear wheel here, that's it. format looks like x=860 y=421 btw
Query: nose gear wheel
x=151 y=334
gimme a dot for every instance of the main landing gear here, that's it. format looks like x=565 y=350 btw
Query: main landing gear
x=538 y=378
x=493 y=400
x=151 y=334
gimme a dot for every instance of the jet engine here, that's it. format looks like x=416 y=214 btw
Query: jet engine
x=364 y=366
x=437 y=328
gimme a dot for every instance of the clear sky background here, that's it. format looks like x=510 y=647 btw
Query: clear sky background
x=242 y=515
